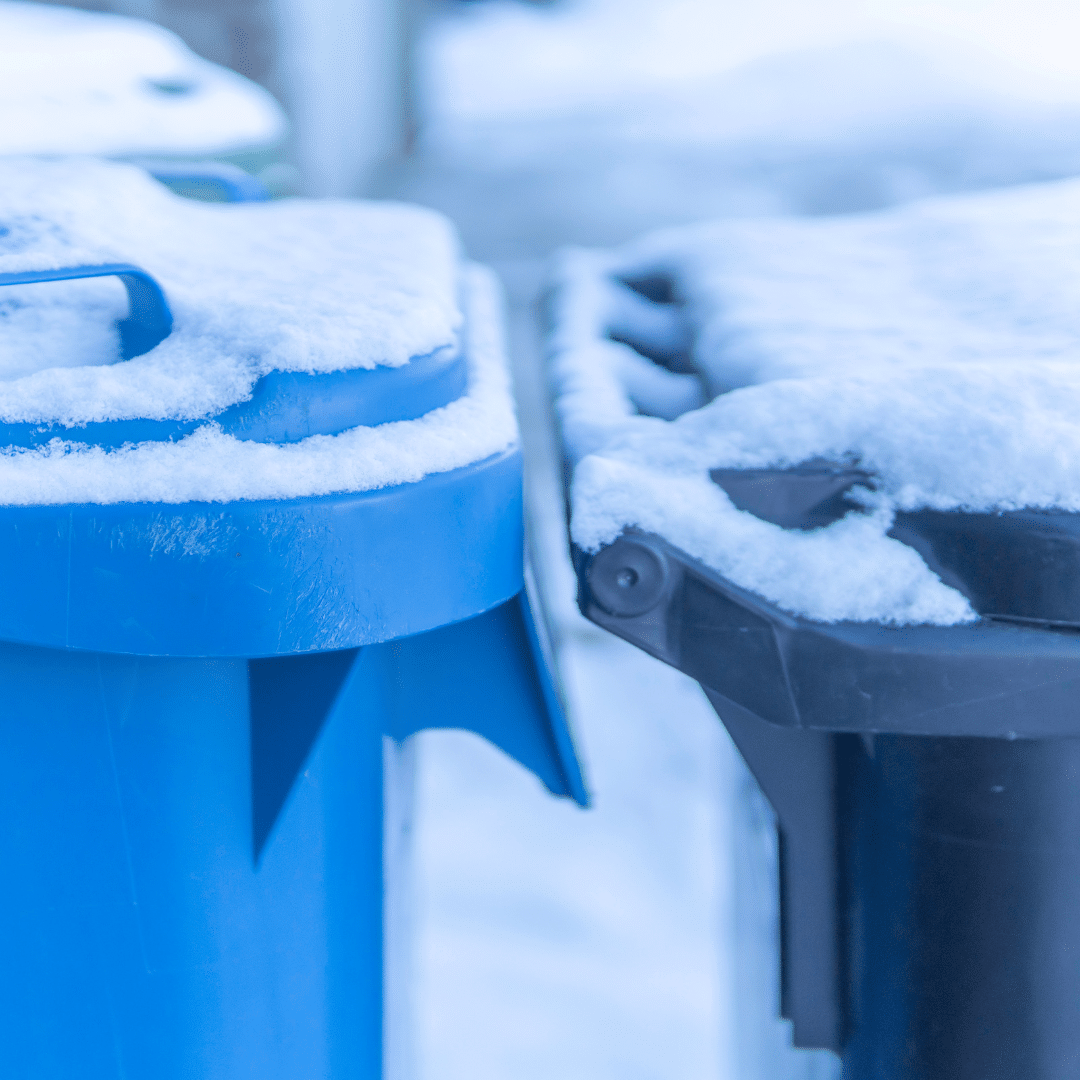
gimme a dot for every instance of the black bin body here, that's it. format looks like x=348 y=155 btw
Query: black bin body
x=926 y=780
x=963 y=862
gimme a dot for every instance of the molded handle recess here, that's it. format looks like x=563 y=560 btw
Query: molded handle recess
x=149 y=320
x=215 y=181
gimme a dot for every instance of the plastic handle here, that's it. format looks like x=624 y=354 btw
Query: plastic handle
x=149 y=320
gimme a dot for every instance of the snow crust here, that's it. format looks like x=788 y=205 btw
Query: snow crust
x=293 y=285
x=77 y=82
x=211 y=466
x=937 y=346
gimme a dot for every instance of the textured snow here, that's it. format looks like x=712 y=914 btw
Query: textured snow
x=209 y=465
x=295 y=285
x=936 y=346
x=76 y=82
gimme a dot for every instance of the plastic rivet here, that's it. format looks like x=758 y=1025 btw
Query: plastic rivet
x=628 y=578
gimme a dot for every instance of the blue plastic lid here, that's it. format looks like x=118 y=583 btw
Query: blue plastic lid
x=162 y=506
x=274 y=321
x=284 y=406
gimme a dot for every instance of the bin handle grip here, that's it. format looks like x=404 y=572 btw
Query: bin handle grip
x=236 y=185
x=149 y=320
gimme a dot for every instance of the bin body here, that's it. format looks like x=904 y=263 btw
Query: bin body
x=962 y=858
x=143 y=936
x=194 y=849
x=928 y=881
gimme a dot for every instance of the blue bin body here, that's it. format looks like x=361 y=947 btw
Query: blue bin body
x=195 y=699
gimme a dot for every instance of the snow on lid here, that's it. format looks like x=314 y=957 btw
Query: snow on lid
x=295 y=285
x=936 y=346
x=211 y=466
x=76 y=82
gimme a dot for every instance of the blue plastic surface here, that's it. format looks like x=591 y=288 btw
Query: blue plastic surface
x=264 y=578
x=141 y=940
x=477 y=674
x=193 y=880
x=195 y=701
x=208 y=181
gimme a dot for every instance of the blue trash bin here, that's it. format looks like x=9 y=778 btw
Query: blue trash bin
x=196 y=696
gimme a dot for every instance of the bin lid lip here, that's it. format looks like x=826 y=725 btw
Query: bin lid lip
x=80 y=82
x=304 y=286
x=932 y=349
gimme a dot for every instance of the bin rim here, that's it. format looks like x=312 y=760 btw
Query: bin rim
x=256 y=578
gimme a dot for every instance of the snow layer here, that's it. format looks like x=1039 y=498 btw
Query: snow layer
x=610 y=118
x=211 y=466
x=504 y=59
x=937 y=346
x=76 y=82
x=295 y=285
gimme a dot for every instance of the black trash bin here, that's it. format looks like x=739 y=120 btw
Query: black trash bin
x=925 y=772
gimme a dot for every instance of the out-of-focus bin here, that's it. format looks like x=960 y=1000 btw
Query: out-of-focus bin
x=80 y=82
x=196 y=696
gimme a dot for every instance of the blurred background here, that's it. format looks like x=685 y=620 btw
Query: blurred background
x=638 y=940
x=641 y=109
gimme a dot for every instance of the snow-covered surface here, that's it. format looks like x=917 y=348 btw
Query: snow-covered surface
x=505 y=59
x=583 y=945
x=605 y=119
x=294 y=285
x=936 y=346
x=77 y=82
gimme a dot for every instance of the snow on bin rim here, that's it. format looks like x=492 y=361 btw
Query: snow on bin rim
x=295 y=285
x=937 y=346
x=78 y=82
x=211 y=466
